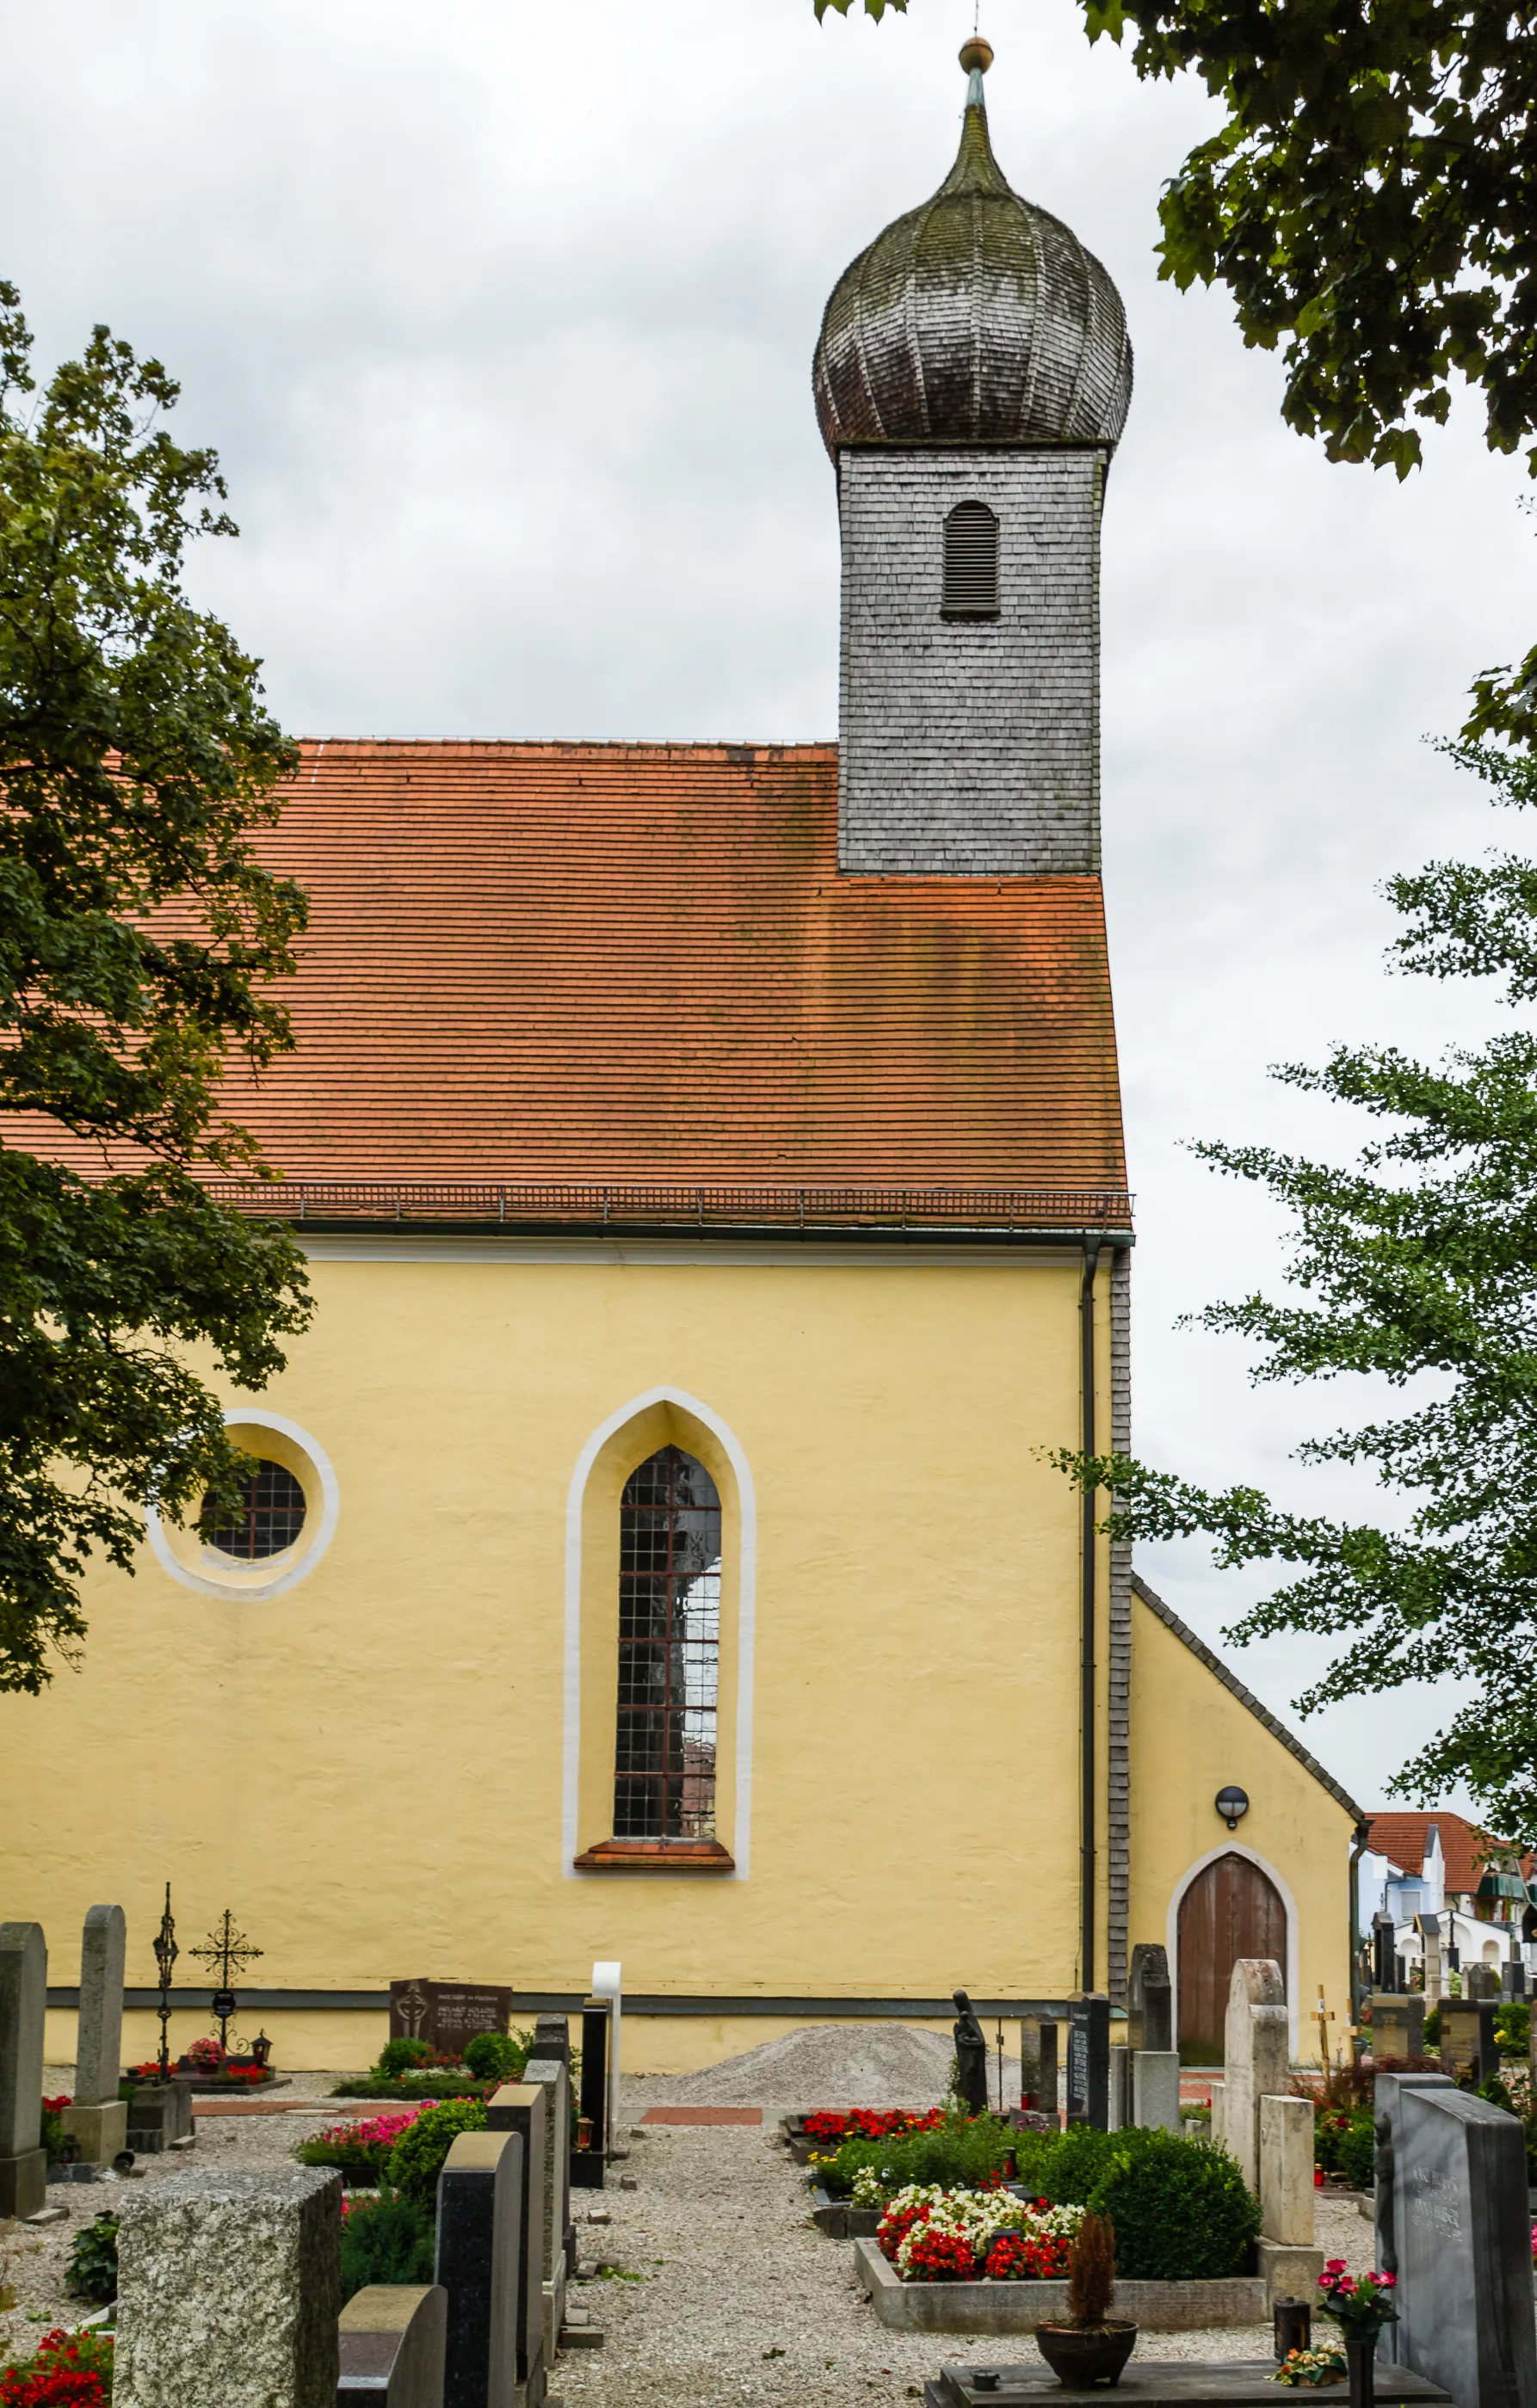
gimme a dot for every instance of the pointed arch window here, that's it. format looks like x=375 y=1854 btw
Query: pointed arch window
x=970 y=562
x=669 y=1645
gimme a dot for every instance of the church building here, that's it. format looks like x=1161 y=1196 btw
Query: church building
x=710 y=1163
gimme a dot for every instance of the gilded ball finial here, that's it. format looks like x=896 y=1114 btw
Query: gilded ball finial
x=976 y=56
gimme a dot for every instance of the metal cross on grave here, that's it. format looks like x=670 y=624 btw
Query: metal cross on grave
x=228 y=1952
x=1322 y=2016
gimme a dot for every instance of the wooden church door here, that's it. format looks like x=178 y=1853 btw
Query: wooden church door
x=1231 y=1909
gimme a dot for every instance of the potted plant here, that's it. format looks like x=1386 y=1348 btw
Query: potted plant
x=1360 y=2309
x=1092 y=2346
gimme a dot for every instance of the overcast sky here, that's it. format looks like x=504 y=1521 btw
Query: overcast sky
x=501 y=317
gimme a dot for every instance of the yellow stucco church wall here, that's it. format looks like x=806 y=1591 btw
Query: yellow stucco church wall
x=368 y=1770
x=1191 y=1737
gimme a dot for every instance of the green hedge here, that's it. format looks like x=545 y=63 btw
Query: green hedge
x=386 y=2239
x=417 y=2158
x=1182 y=2211
x=960 y=2152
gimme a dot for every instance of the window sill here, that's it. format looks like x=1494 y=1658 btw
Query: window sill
x=657 y=1856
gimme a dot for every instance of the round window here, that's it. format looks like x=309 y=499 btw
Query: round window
x=268 y=1520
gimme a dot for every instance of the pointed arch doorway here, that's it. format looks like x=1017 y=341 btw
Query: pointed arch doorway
x=1231 y=1908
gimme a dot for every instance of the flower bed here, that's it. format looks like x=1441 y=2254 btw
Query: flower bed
x=69 y=2371
x=364 y=2146
x=931 y=2235
x=867 y=2123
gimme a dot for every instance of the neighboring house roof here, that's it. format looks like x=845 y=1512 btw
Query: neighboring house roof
x=1235 y=1687
x=1401 y=1838
x=639 y=963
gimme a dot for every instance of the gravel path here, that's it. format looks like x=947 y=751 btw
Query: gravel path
x=742 y=2298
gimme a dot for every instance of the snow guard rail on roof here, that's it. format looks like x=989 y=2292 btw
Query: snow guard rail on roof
x=1035 y=1211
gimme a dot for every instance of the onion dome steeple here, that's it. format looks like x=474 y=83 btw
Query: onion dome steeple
x=978 y=318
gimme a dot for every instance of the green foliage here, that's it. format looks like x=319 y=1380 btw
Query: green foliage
x=50 y=2130
x=960 y=2152
x=1513 y=2028
x=397 y=2056
x=872 y=8
x=498 y=2056
x=417 y=2158
x=1068 y=2166
x=137 y=934
x=411 y=2087
x=1356 y=2153
x=1181 y=2210
x=92 y=2273
x=1432 y=2031
x=1420 y=1258
x=386 y=2239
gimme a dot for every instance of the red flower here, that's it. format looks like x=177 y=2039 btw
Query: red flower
x=940 y=2258
x=63 y=2375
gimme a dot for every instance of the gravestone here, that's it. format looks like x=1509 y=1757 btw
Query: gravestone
x=1398 y=2024
x=553 y=2076
x=1284 y=2253
x=1089 y=2060
x=553 y=2037
x=1468 y=2047
x=98 y=2118
x=448 y=2014
x=1384 y=1969
x=1257 y=2056
x=587 y=2161
x=1512 y=1979
x=1481 y=1981
x=23 y=1999
x=1430 y=1930
x=523 y=2107
x=479 y=2247
x=1155 y=2088
x=608 y=1985
x=1150 y=1999
x=392 y=2340
x=1038 y=2076
x=1462 y=2238
x=1387 y=2092
x=229 y=2289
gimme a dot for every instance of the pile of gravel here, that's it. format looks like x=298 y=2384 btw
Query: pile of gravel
x=824 y=2065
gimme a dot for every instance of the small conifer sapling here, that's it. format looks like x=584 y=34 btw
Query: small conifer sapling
x=1091 y=2273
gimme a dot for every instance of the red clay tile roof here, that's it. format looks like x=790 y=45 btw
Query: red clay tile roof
x=1402 y=1839
x=595 y=963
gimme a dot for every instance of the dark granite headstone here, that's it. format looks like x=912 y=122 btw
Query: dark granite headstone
x=1038 y=2064
x=588 y=2159
x=1464 y=2247
x=1088 y=2061
x=1383 y=1969
x=1398 y=2024
x=447 y=2015
x=1149 y=2001
x=1512 y=1979
x=552 y=2038
x=478 y=2249
x=392 y=2337
x=1468 y=2049
x=520 y=2107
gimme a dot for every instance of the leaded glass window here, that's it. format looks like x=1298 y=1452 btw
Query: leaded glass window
x=670 y=1642
x=268 y=1518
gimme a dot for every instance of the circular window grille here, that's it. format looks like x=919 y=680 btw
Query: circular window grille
x=269 y=1518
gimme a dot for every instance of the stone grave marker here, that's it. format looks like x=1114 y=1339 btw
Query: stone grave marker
x=553 y=2076
x=1481 y=1981
x=607 y=1984
x=1089 y=2060
x=1462 y=2238
x=1430 y=1932
x=587 y=2164
x=1398 y=2024
x=23 y=1999
x=1384 y=1965
x=1285 y=2253
x=479 y=2247
x=523 y=2107
x=1257 y=2056
x=1468 y=2046
x=392 y=2338
x=229 y=2289
x=553 y=2037
x=98 y=2118
x=1037 y=2074
x=447 y=2015
x=1155 y=2063
x=1512 y=1979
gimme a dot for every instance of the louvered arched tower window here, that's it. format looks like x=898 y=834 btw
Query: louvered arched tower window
x=970 y=562
x=669 y=1645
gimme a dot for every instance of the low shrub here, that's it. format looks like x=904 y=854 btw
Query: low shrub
x=69 y=2371
x=1067 y=2166
x=417 y=2157
x=398 y=2056
x=92 y=2273
x=1181 y=2210
x=386 y=2239
x=50 y=2133
x=421 y=2088
x=1432 y=2028
x=498 y=2056
x=1513 y=2028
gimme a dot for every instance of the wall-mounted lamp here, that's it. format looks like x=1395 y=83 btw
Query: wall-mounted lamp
x=1230 y=1804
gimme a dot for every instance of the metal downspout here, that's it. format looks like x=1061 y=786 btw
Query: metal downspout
x=1363 y=1835
x=1086 y=1668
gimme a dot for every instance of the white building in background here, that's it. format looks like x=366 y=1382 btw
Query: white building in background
x=1481 y=1890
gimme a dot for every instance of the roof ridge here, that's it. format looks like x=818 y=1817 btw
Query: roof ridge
x=1235 y=1687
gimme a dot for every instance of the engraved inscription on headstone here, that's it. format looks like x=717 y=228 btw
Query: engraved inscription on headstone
x=1089 y=2060
x=447 y=2015
x=1463 y=2242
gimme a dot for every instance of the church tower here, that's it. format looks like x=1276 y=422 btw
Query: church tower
x=972 y=377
